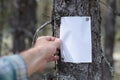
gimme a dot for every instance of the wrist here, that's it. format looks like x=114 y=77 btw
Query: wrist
x=33 y=59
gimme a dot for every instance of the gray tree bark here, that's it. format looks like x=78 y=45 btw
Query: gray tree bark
x=23 y=23
x=109 y=37
x=69 y=71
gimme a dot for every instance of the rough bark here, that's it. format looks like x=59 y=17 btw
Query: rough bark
x=109 y=37
x=23 y=22
x=69 y=71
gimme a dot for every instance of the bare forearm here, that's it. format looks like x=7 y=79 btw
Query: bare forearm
x=33 y=59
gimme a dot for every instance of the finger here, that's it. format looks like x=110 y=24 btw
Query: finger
x=57 y=43
x=42 y=37
x=57 y=51
x=50 y=38
x=53 y=58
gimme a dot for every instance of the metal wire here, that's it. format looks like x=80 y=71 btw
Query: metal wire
x=39 y=29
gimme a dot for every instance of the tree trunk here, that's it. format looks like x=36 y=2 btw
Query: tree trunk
x=44 y=15
x=109 y=37
x=24 y=21
x=1 y=22
x=70 y=71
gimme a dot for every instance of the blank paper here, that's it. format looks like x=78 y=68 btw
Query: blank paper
x=75 y=33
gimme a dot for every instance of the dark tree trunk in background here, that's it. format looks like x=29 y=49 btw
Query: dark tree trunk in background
x=1 y=22
x=117 y=7
x=45 y=13
x=91 y=71
x=24 y=21
x=109 y=37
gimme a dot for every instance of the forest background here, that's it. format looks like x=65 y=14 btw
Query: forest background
x=19 y=20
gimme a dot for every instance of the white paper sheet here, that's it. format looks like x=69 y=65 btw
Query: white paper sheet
x=75 y=33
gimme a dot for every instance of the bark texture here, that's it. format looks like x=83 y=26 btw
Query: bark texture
x=23 y=23
x=69 y=71
x=109 y=37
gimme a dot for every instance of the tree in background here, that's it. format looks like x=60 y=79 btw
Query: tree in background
x=44 y=14
x=23 y=23
x=1 y=22
x=91 y=71
x=109 y=37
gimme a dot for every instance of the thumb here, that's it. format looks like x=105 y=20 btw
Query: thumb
x=57 y=43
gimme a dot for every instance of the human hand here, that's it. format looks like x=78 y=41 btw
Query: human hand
x=42 y=52
x=48 y=47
